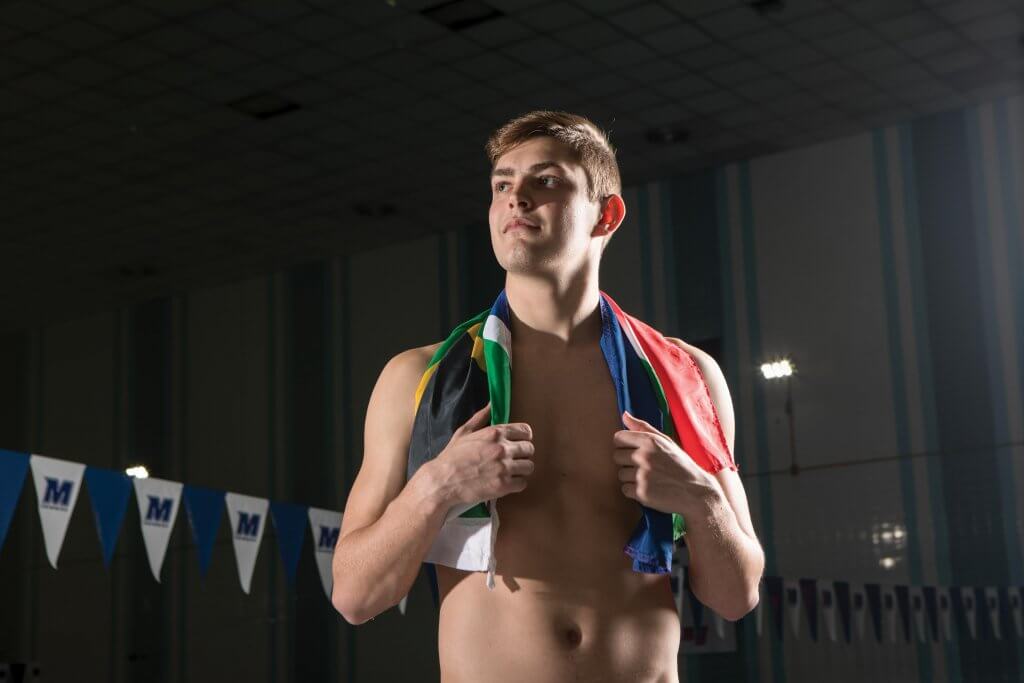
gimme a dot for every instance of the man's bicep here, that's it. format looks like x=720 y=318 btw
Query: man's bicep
x=388 y=429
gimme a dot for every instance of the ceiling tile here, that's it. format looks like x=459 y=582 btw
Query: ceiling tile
x=675 y=37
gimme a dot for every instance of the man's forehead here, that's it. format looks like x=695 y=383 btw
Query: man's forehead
x=535 y=154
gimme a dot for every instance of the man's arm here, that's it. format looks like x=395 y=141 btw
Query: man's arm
x=726 y=559
x=388 y=525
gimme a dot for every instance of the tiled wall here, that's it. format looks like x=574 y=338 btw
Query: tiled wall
x=887 y=266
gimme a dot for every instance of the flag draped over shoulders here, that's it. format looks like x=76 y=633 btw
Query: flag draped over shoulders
x=654 y=380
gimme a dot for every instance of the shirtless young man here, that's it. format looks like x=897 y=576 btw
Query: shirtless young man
x=567 y=604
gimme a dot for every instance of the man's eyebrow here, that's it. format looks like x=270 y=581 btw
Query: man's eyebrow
x=539 y=166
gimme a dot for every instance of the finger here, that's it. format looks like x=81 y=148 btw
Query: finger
x=477 y=420
x=629 y=490
x=521 y=467
x=520 y=449
x=635 y=423
x=627 y=474
x=515 y=431
x=624 y=437
x=623 y=457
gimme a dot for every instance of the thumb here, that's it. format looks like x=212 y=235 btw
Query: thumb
x=477 y=420
x=635 y=423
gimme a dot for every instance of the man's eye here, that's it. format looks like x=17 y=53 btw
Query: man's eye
x=545 y=178
x=499 y=186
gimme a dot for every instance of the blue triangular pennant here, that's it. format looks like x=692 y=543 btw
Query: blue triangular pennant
x=809 y=596
x=290 y=521
x=843 y=603
x=13 y=467
x=109 y=491
x=204 y=507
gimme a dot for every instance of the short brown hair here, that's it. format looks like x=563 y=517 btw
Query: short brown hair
x=588 y=142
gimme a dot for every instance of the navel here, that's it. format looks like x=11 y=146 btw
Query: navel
x=573 y=636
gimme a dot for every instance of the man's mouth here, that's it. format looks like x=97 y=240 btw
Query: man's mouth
x=519 y=223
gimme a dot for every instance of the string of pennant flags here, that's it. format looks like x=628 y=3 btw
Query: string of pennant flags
x=843 y=610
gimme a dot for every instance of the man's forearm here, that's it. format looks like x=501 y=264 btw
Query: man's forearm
x=725 y=563
x=375 y=566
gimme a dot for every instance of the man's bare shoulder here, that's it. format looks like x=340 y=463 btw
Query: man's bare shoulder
x=405 y=369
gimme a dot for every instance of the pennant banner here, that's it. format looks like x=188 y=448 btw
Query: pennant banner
x=109 y=492
x=773 y=586
x=809 y=596
x=826 y=596
x=325 y=525
x=158 y=508
x=917 y=608
x=889 y=609
x=931 y=610
x=205 y=508
x=842 y=589
x=290 y=525
x=792 y=589
x=903 y=607
x=945 y=612
x=248 y=516
x=873 y=592
x=57 y=485
x=992 y=602
x=1014 y=598
x=13 y=468
x=969 y=607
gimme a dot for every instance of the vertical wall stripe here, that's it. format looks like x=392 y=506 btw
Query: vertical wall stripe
x=963 y=397
x=907 y=480
x=444 y=314
x=345 y=361
x=272 y=398
x=36 y=446
x=730 y=362
x=670 y=283
x=181 y=366
x=329 y=479
x=914 y=311
x=643 y=230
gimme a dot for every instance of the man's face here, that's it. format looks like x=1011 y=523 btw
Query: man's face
x=541 y=184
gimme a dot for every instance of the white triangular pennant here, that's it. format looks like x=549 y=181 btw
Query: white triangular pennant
x=325 y=525
x=158 y=501
x=57 y=485
x=917 y=607
x=859 y=607
x=827 y=602
x=889 y=610
x=248 y=518
x=791 y=591
x=1014 y=596
x=992 y=601
x=945 y=612
x=970 y=610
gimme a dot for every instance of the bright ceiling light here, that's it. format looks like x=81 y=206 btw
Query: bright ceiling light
x=777 y=370
x=137 y=471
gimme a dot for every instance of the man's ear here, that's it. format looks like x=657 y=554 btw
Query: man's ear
x=613 y=211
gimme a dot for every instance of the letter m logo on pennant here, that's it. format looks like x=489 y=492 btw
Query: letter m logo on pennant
x=58 y=492
x=248 y=524
x=328 y=538
x=159 y=510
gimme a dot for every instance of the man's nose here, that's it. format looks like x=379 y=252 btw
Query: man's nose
x=518 y=196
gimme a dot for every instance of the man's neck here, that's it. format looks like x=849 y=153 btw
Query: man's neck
x=553 y=315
